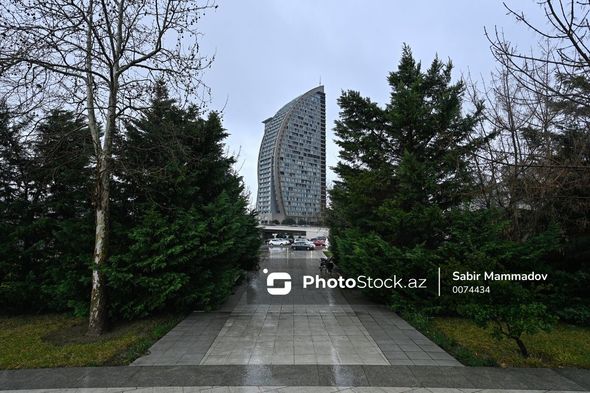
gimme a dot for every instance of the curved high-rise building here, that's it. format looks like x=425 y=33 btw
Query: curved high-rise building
x=292 y=161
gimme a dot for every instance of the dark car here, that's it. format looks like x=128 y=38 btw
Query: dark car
x=303 y=245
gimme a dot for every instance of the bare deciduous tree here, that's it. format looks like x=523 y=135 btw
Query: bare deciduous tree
x=518 y=124
x=566 y=51
x=99 y=57
x=537 y=110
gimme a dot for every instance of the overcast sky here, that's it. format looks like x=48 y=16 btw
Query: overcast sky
x=268 y=52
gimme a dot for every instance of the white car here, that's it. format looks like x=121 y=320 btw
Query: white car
x=278 y=242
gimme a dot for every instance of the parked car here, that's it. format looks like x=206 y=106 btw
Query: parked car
x=319 y=242
x=303 y=245
x=278 y=242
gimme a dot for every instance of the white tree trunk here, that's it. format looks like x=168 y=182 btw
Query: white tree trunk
x=97 y=318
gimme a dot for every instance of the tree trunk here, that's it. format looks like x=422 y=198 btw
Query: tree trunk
x=522 y=347
x=97 y=319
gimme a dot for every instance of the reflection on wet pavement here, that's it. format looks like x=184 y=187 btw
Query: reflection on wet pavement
x=279 y=334
x=306 y=326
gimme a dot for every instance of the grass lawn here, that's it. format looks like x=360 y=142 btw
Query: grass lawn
x=57 y=340
x=564 y=346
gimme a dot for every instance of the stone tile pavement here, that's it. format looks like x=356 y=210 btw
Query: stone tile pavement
x=400 y=342
x=299 y=377
x=308 y=326
x=187 y=343
x=287 y=334
x=275 y=389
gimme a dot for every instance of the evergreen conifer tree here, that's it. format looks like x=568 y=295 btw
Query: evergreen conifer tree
x=187 y=232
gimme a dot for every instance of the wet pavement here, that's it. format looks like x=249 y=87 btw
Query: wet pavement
x=308 y=341
x=277 y=389
x=329 y=326
x=287 y=334
x=298 y=378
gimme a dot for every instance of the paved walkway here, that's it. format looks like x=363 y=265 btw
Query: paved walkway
x=300 y=378
x=307 y=326
x=308 y=341
x=280 y=335
x=274 y=389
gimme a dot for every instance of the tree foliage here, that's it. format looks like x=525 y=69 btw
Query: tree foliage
x=536 y=164
x=46 y=214
x=404 y=171
x=407 y=202
x=183 y=233
x=100 y=58
x=190 y=233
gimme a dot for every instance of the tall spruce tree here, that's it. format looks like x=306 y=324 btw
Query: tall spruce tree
x=187 y=231
x=46 y=214
x=403 y=204
x=64 y=154
x=173 y=156
x=402 y=169
x=19 y=288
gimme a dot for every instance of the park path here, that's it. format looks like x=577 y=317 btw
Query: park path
x=314 y=341
x=275 y=389
x=307 y=326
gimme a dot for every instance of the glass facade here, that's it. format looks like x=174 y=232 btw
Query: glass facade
x=292 y=161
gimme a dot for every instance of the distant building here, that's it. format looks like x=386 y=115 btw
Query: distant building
x=292 y=162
